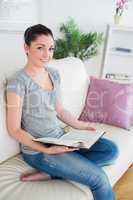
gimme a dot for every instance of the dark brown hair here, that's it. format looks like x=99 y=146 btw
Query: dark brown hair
x=34 y=31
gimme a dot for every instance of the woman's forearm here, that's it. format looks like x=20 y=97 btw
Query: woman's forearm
x=71 y=120
x=25 y=138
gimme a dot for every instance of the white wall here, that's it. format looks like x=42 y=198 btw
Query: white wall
x=11 y=52
x=87 y=13
x=90 y=15
x=21 y=10
x=15 y=16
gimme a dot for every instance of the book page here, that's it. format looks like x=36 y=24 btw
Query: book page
x=57 y=141
x=84 y=138
x=81 y=135
x=74 y=138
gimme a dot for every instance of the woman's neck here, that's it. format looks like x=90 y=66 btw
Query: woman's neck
x=34 y=70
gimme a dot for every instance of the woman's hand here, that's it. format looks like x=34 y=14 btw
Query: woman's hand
x=89 y=128
x=55 y=149
x=86 y=126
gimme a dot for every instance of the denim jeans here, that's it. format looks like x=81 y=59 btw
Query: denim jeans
x=83 y=166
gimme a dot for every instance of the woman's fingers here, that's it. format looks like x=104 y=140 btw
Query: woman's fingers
x=66 y=149
x=71 y=148
x=91 y=128
x=61 y=149
x=88 y=127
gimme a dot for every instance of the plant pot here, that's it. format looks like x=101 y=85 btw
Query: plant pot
x=117 y=19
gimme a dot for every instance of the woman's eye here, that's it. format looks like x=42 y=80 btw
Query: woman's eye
x=51 y=49
x=39 y=48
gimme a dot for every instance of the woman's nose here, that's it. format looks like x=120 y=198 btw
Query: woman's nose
x=46 y=53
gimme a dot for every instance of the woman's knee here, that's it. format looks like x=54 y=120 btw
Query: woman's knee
x=101 y=181
x=113 y=150
x=110 y=148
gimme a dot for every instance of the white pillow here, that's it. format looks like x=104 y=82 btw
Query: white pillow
x=8 y=146
x=74 y=83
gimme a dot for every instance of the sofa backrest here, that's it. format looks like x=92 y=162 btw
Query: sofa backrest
x=8 y=146
x=74 y=83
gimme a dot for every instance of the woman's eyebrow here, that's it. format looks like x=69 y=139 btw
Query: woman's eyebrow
x=40 y=44
x=43 y=45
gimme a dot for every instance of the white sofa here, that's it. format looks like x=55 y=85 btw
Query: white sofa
x=74 y=84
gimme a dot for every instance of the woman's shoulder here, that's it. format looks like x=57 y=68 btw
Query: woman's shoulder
x=18 y=78
x=17 y=83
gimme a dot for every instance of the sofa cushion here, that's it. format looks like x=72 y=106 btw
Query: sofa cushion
x=8 y=146
x=108 y=102
x=74 y=83
x=13 y=189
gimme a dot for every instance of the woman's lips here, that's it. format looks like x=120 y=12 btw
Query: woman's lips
x=44 y=60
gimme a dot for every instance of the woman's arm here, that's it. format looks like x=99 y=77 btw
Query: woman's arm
x=14 y=113
x=69 y=119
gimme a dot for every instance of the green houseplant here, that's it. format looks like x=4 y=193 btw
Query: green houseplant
x=76 y=43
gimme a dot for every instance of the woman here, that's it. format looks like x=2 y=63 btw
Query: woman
x=34 y=103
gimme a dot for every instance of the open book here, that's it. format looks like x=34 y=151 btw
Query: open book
x=74 y=138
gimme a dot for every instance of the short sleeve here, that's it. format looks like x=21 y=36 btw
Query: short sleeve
x=57 y=77
x=16 y=86
x=57 y=80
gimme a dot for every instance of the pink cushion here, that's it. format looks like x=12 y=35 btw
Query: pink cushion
x=108 y=102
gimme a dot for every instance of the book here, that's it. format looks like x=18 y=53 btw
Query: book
x=119 y=76
x=74 y=138
x=122 y=49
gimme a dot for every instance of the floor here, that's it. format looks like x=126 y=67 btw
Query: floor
x=124 y=188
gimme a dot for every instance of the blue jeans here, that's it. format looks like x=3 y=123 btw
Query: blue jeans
x=83 y=166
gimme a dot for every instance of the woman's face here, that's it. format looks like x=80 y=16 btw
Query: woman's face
x=40 y=51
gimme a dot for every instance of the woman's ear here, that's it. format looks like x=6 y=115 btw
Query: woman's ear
x=26 y=48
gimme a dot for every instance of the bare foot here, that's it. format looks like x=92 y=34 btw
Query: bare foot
x=35 y=176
